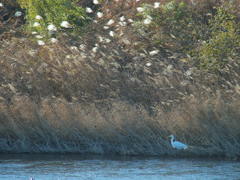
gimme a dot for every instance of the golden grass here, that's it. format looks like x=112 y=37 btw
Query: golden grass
x=63 y=98
x=117 y=127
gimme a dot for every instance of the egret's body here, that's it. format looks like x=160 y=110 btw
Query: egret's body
x=176 y=144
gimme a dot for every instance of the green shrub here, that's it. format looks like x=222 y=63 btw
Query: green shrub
x=223 y=44
x=212 y=37
x=52 y=12
x=174 y=25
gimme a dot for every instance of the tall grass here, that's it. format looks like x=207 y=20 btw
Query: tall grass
x=108 y=93
x=118 y=127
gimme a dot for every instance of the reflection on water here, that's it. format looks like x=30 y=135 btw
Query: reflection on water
x=71 y=167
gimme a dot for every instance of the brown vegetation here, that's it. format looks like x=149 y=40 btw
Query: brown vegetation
x=66 y=97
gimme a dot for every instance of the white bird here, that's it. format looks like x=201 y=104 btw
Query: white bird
x=176 y=144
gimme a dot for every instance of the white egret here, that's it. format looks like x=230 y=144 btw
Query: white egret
x=176 y=144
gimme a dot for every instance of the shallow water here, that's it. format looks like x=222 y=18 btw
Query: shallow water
x=65 y=167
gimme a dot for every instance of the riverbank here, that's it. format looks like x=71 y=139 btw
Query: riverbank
x=120 y=87
x=118 y=127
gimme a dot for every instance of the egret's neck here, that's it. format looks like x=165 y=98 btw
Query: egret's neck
x=172 y=140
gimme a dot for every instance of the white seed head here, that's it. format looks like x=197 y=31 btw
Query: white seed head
x=51 y=27
x=89 y=10
x=1 y=4
x=122 y=18
x=38 y=17
x=122 y=23
x=41 y=43
x=111 y=33
x=188 y=73
x=36 y=24
x=107 y=40
x=130 y=20
x=99 y=14
x=154 y=52
x=140 y=9
x=82 y=47
x=54 y=40
x=95 y=2
x=95 y=49
x=39 y=36
x=65 y=24
x=148 y=64
x=74 y=48
x=110 y=22
x=18 y=14
x=156 y=5
x=105 y=27
x=100 y=38
x=147 y=21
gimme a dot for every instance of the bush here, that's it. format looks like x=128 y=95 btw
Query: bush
x=52 y=12
x=211 y=36
x=174 y=25
x=223 y=44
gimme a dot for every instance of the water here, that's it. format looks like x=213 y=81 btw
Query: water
x=71 y=167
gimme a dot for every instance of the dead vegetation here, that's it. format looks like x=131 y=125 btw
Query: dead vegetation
x=104 y=94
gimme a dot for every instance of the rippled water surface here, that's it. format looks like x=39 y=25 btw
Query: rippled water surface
x=64 y=167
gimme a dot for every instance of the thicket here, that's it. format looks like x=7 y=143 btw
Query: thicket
x=42 y=13
x=211 y=36
x=136 y=76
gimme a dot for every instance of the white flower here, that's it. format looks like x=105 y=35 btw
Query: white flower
x=154 y=52
x=38 y=17
x=65 y=24
x=110 y=22
x=34 y=32
x=147 y=21
x=54 y=40
x=51 y=27
x=156 y=4
x=140 y=9
x=137 y=0
x=36 y=24
x=105 y=27
x=39 y=36
x=18 y=14
x=99 y=14
x=1 y=4
x=89 y=10
x=95 y=2
x=122 y=18
x=41 y=43
x=148 y=64
x=111 y=33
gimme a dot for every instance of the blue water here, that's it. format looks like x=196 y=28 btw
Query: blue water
x=79 y=167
